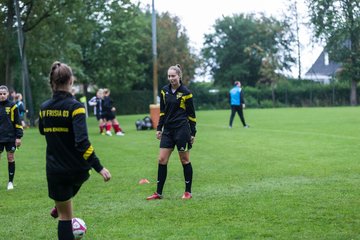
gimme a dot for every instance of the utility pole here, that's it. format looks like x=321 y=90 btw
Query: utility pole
x=154 y=108
x=298 y=39
x=25 y=72
x=154 y=46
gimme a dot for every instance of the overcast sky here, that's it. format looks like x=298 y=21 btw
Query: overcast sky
x=198 y=17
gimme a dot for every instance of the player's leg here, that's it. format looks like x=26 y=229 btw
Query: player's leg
x=164 y=156
x=117 y=128
x=101 y=124
x=166 y=148
x=188 y=173
x=232 y=115
x=10 y=148
x=65 y=211
x=241 y=115
x=108 y=128
x=183 y=144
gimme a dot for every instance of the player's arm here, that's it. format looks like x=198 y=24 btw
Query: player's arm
x=190 y=110
x=82 y=143
x=242 y=101
x=15 y=118
x=162 y=111
x=92 y=101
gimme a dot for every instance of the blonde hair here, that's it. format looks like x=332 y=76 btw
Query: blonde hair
x=177 y=69
x=3 y=87
x=18 y=96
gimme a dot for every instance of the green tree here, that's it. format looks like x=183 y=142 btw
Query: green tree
x=120 y=46
x=239 y=44
x=337 y=22
x=173 y=48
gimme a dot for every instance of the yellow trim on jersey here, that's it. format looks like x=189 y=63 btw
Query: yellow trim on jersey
x=18 y=126
x=78 y=111
x=183 y=100
x=88 y=152
x=162 y=114
x=163 y=94
x=192 y=119
x=188 y=96
x=12 y=116
x=40 y=114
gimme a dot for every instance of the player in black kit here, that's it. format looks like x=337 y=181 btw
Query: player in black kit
x=177 y=127
x=69 y=154
x=11 y=131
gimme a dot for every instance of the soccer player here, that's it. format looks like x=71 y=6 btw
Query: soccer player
x=21 y=107
x=11 y=131
x=177 y=127
x=96 y=102
x=109 y=115
x=69 y=154
x=237 y=103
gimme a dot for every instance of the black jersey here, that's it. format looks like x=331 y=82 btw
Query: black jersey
x=63 y=122
x=176 y=109
x=10 y=124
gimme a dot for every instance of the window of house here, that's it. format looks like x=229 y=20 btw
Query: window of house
x=326 y=59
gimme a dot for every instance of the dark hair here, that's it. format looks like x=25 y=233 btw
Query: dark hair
x=60 y=75
x=178 y=70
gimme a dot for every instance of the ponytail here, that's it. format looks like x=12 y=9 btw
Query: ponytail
x=60 y=75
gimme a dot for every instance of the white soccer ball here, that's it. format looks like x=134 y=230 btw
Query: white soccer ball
x=79 y=228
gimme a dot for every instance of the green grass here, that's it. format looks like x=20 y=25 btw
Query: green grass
x=294 y=174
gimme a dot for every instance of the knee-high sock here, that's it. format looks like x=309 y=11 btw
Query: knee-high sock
x=162 y=173
x=11 y=170
x=65 y=231
x=188 y=174
x=117 y=128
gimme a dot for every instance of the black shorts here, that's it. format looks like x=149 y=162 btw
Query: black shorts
x=109 y=116
x=99 y=116
x=181 y=137
x=63 y=187
x=9 y=147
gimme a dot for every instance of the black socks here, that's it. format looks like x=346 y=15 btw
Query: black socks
x=162 y=173
x=188 y=173
x=11 y=170
x=65 y=231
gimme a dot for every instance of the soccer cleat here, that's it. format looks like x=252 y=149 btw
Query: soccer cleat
x=120 y=134
x=108 y=133
x=246 y=126
x=154 y=196
x=54 y=213
x=10 y=186
x=186 y=195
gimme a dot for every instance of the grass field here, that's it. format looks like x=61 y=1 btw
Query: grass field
x=294 y=174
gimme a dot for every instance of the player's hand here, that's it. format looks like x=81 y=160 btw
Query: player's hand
x=105 y=174
x=192 y=139
x=243 y=105
x=158 y=134
x=18 y=142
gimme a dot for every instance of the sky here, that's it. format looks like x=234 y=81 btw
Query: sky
x=198 y=17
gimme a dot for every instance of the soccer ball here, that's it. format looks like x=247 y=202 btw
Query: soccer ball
x=79 y=228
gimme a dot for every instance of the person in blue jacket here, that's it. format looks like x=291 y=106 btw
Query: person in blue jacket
x=237 y=104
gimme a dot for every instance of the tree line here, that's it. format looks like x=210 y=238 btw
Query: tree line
x=108 y=44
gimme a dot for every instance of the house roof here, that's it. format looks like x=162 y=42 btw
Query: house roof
x=319 y=68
